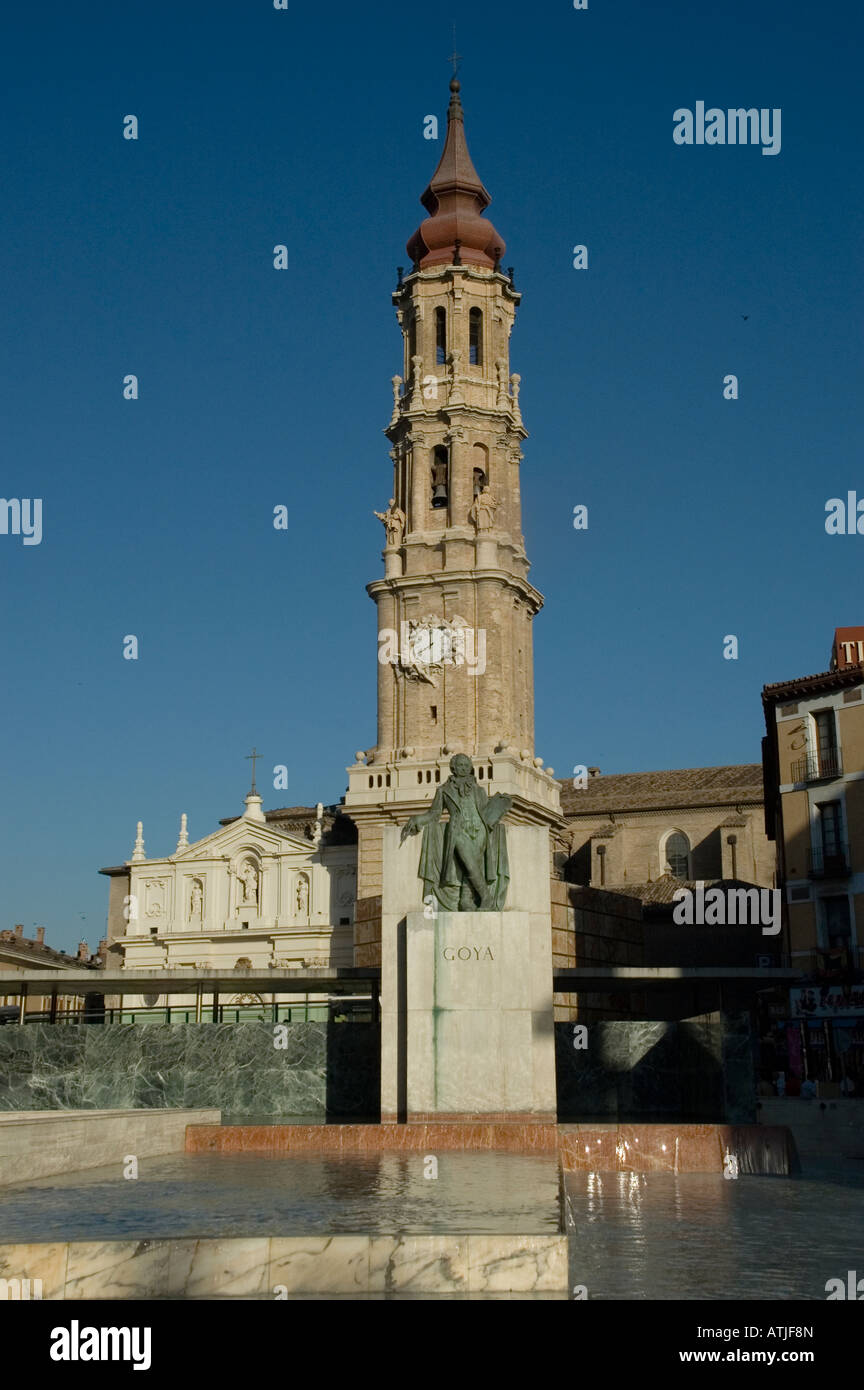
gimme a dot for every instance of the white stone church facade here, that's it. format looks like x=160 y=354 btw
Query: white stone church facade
x=250 y=895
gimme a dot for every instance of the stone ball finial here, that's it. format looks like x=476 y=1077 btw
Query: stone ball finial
x=360 y=756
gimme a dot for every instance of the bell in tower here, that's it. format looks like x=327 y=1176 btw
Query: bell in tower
x=439 y=478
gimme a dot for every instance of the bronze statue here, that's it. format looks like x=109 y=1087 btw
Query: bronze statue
x=463 y=863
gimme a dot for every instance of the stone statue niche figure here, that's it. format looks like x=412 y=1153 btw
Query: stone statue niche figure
x=463 y=863
x=394 y=524
x=303 y=896
x=249 y=879
x=196 y=899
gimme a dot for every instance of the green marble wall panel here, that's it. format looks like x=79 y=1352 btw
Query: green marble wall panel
x=694 y=1069
x=323 y=1069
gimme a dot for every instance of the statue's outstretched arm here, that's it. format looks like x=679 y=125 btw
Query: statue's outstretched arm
x=416 y=823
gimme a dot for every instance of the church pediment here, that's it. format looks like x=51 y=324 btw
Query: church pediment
x=245 y=834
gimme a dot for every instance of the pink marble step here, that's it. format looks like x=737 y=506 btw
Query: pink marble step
x=594 y=1148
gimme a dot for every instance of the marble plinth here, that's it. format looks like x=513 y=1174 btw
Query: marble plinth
x=39 y=1143
x=279 y=1267
x=467 y=1020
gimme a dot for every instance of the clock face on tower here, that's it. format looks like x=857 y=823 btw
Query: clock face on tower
x=430 y=645
x=434 y=642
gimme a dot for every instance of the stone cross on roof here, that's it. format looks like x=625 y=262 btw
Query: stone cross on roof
x=253 y=758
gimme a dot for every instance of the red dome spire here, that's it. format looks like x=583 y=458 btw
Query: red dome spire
x=455 y=200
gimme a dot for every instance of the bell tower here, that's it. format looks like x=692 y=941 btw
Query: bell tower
x=456 y=432
x=455 y=605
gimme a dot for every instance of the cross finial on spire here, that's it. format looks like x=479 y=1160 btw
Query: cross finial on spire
x=455 y=58
x=253 y=758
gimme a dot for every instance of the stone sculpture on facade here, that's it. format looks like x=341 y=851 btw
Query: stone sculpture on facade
x=196 y=900
x=463 y=863
x=429 y=644
x=249 y=880
x=483 y=509
x=303 y=896
x=393 y=521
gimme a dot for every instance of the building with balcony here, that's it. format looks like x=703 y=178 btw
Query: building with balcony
x=813 y=755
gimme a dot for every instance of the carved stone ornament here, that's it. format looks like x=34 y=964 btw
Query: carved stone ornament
x=429 y=644
x=154 y=889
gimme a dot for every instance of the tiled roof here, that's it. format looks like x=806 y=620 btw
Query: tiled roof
x=822 y=680
x=40 y=952
x=662 y=890
x=676 y=787
x=282 y=813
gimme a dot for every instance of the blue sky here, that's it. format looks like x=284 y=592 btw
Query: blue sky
x=258 y=387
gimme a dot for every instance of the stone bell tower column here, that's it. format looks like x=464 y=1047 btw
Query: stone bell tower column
x=455 y=605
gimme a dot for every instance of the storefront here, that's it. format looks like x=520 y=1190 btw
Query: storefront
x=819 y=1039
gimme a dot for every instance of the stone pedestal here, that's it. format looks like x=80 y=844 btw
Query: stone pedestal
x=392 y=564
x=473 y=1027
x=487 y=552
x=472 y=1035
